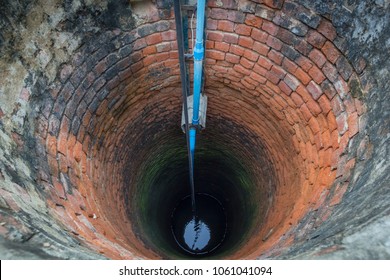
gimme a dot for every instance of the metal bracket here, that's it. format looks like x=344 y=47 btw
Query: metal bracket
x=202 y=112
x=188 y=7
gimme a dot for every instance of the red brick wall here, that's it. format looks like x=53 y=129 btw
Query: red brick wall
x=276 y=72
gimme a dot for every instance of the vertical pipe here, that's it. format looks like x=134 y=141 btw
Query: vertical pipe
x=198 y=59
x=185 y=89
x=198 y=69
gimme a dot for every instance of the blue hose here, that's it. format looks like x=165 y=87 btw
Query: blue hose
x=198 y=71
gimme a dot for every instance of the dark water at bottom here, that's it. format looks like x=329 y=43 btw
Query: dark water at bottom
x=200 y=233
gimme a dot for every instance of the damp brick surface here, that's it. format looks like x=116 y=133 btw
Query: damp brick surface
x=293 y=74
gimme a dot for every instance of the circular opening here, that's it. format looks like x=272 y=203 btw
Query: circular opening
x=199 y=231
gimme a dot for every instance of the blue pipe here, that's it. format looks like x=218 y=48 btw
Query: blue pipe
x=198 y=59
x=198 y=72
x=192 y=143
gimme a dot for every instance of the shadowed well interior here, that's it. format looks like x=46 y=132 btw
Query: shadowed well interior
x=270 y=151
x=284 y=110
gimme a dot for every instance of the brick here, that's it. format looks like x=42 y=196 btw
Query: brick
x=237 y=50
x=212 y=24
x=275 y=56
x=286 y=36
x=210 y=61
x=146 y=30
x=230 y=38
x=324 y=104
x=227 y=4
x=289 y=65
x=360 y=107
x=264 y=62
x=209 y=44
x=241 y=70
x=163 y=47
x=260 y=70
x=359 y=64
x=303 y=47
x=246 y=63
x=305 y=112
x=251 y=55
x=258 y=77
x=285 y=88
x=317 y=57
x=236 y=16
x=304 y=63
x=245 y=42
x=51 y=144
x=265 y=12
x=330 y=51
x=149 y=50
x=341 y=87
x=274 y=43
x=248 y=83
x=330 y=72
x=270 y=28
x=260 y=48
x=77 y=151
x=65 y=73
x=101 y=67
x=154 y=39
x=290 y=52
x=353 y=124
x=232 y=58
x=62 y=144
x=343 y=142
x=349 y=104
x=313 y=106
x=139 y=44
x=327 y=140
x=342 y=123
x=273 y=3
x=217 y=55
x=259 y=35
x=225 y=25
x=337 y=105
x=316 y=74
x=278 y=71
x=272 y=77
x=253 y=20
x=328 y=89
x=215 y=36
x=222 y=46
x=174 y=45
x=137 y=66
x=302 y=76
x=217 y=13
x=334 y=136
x=313 y=124
x=297 y=99
x=136 y=56
x=344 y=68
x=291 y=81
x=172 y=54
x=326 y=28
x=302 y=91
x=169 y=35
x=280 y=101
x=242 y=29
x=315 y=39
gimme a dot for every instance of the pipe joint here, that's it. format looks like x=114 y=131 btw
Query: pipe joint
x=199 y=51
